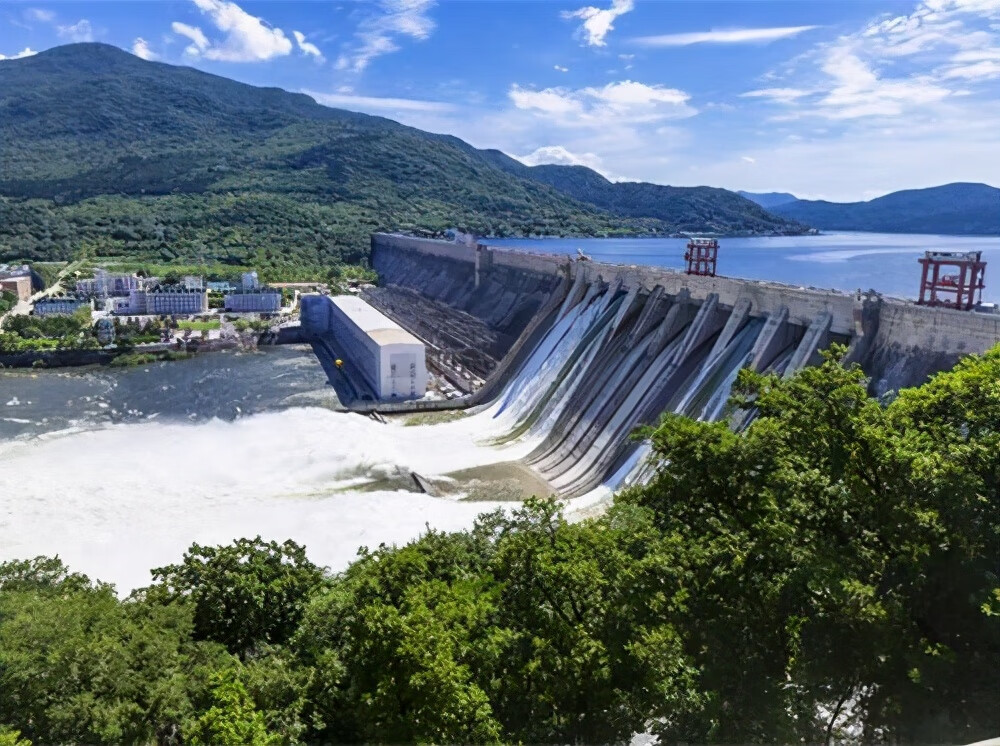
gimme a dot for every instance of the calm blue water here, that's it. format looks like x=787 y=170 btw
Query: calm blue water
x=886 y=262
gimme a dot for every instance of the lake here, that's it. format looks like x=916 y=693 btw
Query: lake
x=886 y=262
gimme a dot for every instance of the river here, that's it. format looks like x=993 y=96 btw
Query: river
x=886 y=262
x=119 y=471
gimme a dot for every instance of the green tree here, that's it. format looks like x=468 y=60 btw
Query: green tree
x=79 y=666
x=231 y=719
x=244 y=595
x=842 y=556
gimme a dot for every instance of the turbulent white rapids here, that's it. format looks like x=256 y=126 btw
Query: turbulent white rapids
x=120 y=498
x=117 y=501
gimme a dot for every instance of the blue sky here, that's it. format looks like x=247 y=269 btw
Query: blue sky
x=837 y=100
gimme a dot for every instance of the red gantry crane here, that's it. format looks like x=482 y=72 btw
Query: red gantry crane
x=952 y=290
x=701 y=256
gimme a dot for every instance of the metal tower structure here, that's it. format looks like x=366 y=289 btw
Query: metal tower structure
x=952 y=290
x=702 y=255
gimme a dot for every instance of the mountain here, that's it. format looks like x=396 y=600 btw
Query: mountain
x=971 y=209
x=103 y=154
x=687 y=209
x=767 y=200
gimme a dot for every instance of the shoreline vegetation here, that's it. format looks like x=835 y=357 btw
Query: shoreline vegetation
x=829 y=575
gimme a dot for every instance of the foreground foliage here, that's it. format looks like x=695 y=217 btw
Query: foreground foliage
x=831 y=574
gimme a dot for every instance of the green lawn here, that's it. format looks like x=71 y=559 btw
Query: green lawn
x=199 y=326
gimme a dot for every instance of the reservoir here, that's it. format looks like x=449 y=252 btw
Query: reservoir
x=886 y=262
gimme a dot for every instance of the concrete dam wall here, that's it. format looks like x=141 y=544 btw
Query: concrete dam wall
x=604 y=348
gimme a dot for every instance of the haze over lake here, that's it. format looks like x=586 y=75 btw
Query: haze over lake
x=886 y=262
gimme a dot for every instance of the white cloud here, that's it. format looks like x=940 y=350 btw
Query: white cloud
x=247 y=38
x=782 y=95
x=308 y=48
x=199 y=42
x=560 y=156
x=377 y=35
x=598 y=22
x=975 y=71
x=80 y=31
x=902 y=65
x=347 y=100
x=561 y=69
x=140 y=48
x=624 y=102
x=748 y=159
x=40 y=14
x=26 y=52
x=860 y=92
x=730 y=36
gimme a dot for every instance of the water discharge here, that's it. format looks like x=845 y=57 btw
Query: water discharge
x=120 y=472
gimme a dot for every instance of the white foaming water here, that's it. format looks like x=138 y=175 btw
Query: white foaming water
x=118 y=501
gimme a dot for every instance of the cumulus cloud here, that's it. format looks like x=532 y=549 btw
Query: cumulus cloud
x=140 y=48
x=560 y=156
x=598 y=22
x=80 y=31
x=730 y=36
x=245 y=37
x=306 y=47
x=199 y=42
x=26 y=52
x=346 y=100
x=377 y=35
x=561 y=69
x=626 y=101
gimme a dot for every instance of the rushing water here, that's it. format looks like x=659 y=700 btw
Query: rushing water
x=118 y=471
x=886 y=262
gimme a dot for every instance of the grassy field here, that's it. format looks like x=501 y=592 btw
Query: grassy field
x=199 y=326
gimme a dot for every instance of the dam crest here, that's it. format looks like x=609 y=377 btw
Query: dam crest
x=576 y=354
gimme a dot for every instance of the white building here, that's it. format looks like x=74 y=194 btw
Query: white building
x=105 y=284
x=176 y=300
x=261 y=300
x=61 y=305
x=392 y=361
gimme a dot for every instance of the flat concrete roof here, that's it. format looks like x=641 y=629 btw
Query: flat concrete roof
x=378 y=326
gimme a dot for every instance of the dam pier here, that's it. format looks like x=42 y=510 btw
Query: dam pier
x=573 y=355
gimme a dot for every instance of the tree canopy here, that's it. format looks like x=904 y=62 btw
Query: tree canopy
x=830 y=574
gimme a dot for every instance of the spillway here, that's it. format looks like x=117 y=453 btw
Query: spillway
x=585 y=352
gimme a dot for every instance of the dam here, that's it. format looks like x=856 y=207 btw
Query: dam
x=574 y=355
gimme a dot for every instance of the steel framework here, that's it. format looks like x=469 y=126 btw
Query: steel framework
x=702 y=255
x=952 y=290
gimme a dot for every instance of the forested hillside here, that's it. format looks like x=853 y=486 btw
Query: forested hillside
x=686 y=209
x=830 y=576
x=767 y=200
x=957 y=209
x=103 y=152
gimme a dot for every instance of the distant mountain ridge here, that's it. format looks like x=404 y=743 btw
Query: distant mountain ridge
x=959 y=209
x=691 y=209
x=767 y=200
x=106 y=153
